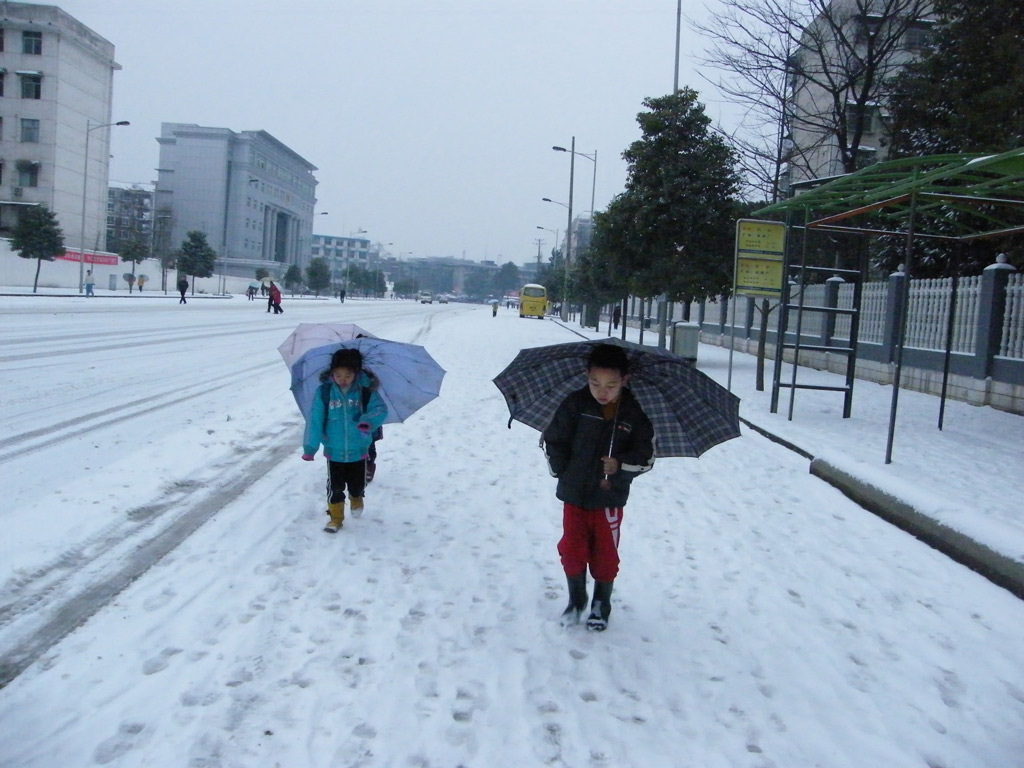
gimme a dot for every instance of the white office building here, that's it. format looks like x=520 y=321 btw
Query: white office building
x=56 y=84
x=251 y=194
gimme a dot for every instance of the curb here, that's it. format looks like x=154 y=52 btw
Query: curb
x=997 y=568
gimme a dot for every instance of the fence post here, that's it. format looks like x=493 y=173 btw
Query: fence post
x=991 y=311
x=893 y=309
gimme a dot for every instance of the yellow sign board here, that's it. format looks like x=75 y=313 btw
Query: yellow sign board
x=760 y=251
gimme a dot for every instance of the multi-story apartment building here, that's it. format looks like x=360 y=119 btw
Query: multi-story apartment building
x=56 y=83
x=344 y=254
x=252 y=195
x=836 y=80
x=129 y=217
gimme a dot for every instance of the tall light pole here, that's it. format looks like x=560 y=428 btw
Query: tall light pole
x=679 y=17
x=593 y=182
x=89 y=128
x=568 y=232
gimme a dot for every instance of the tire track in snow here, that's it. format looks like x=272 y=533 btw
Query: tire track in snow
x=68 y=611
x=143 y=406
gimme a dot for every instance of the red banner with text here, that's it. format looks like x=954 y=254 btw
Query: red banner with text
x=109 y=259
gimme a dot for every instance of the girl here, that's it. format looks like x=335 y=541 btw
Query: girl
x=344 y=415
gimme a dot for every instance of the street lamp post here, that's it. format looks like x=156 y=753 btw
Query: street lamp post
x=552 y=231
x=89 y=128
x=593 y=181
x=593 y=184
x=568 y=232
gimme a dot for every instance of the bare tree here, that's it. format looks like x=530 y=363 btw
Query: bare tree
x=809 y=76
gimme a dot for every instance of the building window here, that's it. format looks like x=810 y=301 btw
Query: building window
x=32 y=42
x=29 y=130
x=28 y=173
x=867 y=119
x=31 y=86
x=2 y=78
x=1 y=39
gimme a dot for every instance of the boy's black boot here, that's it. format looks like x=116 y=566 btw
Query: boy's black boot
x=601 y=607
x=577 y=599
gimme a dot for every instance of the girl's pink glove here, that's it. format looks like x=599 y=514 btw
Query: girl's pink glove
x=307 y=457
x=363 y=426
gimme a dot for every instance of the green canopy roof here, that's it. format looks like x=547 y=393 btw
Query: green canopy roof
x=953 y=197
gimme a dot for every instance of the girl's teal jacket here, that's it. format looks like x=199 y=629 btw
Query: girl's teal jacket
x=334 y=424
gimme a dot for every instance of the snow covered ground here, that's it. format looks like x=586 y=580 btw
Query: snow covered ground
x=168 y=591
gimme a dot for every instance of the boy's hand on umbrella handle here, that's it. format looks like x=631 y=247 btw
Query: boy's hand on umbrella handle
x=611 y=466
x=307 y=457
x=363 y=426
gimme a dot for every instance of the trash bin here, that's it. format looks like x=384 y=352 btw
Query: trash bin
x=685 y=338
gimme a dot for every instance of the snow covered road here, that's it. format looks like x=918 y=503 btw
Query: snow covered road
x=761 y=619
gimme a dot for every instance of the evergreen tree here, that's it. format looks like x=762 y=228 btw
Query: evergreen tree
x=136 y=252
x=293 y=277
x=37 y=235
x=507 y=278
x=966 y=94
x=196 y=257
x=671 y=230
x=318 y=275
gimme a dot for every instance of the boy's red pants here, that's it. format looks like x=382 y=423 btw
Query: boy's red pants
x=590 y=537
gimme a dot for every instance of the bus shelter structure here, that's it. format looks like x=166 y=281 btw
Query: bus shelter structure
x=956 y=198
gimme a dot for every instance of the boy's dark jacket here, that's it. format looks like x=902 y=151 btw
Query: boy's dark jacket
x=578 y=436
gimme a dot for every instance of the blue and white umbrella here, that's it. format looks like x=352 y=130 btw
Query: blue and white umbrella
x=408 y=376
x=307 y=336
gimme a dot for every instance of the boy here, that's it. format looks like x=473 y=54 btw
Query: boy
x=345 y=412
x=598 y=440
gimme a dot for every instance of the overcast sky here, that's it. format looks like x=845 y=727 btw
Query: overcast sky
x=431 y=122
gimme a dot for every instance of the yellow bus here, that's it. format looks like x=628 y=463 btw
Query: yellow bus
x=533 y=300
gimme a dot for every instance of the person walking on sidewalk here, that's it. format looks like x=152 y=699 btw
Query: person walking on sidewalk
x=90 y=283
x=182 y=287
x=598 y=441
x=345 y=412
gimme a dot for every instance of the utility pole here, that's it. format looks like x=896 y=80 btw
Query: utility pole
x=539 y=243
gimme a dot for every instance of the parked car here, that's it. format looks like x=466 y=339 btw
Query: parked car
x=442 y=299
x=426 y=297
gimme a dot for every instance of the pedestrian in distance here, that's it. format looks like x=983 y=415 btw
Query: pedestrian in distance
x=275 y=298
x=90 y=283
x=598 y=441
x=182 y=287
x=343 y=417
x=616 y=316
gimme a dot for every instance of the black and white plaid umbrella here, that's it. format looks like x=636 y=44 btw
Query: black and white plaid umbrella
x=690 y=412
